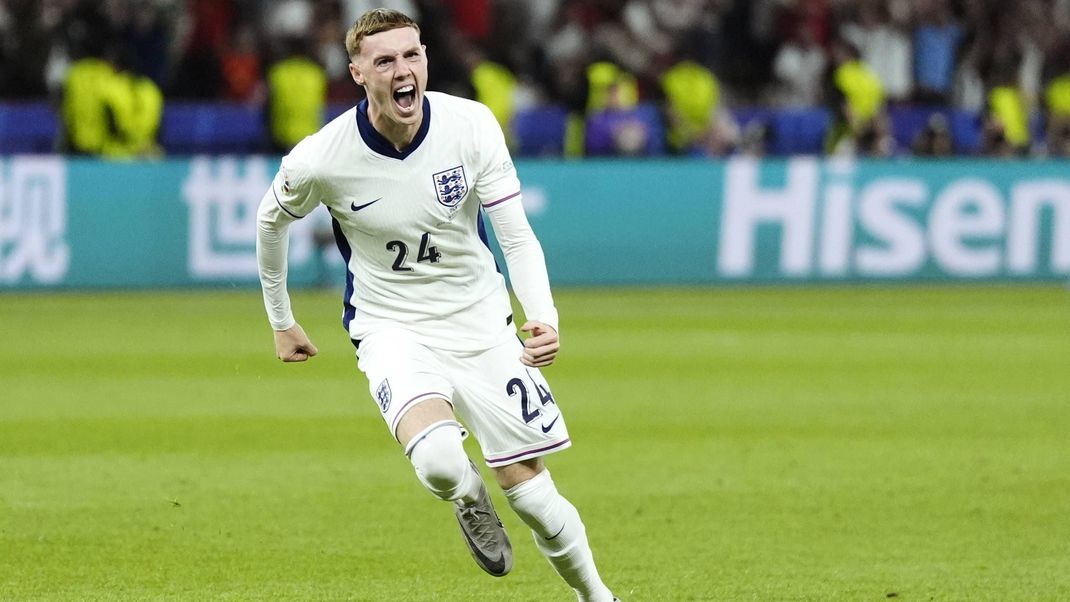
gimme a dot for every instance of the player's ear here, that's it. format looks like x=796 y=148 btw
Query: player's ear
x=355 y=73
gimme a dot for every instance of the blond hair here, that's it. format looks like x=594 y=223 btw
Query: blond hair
x=373 y=22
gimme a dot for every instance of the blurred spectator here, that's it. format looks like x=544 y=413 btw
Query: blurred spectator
x=446 y=49
x=968 y=89
x=242 y=70
x=110 y=111
x=883 y=44
x=138 y=111
x=289 y=19
x=692 y=97
x=1057 y=98
x=615 y=123
x=1006 y=118
x=754 y=140
x=724 y=137
x=472 y=18
x=936 y=43
x=799 y=68
x=562 y=69
x=690 y=25
x=1057 y=114
x=85 y=105
x=353 y=9
x=24 y=49
x=813 y=16
x=634 y=132
x=1031 y=27
x=199 y=73
x=633 y=38
x=297 y=95
x=332 y=55
x=876 y=140
x=856 y=97
x=1059 y=140
x=147 y=38
x=935 y=139
x=495 y=86
x=751 y=38
x=610 y=88
x=568 y=42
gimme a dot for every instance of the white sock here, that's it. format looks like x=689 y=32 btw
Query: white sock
x=468 y=492
x=559 y=535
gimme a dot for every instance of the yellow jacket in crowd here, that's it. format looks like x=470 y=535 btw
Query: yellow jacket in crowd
x=692 y=95
x=862 y=90
x=495 y=87
x=111 y=113
x=1007 y=105
x=298 y=93
x=1057 y=97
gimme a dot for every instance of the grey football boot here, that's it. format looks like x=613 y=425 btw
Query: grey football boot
x=484 y=533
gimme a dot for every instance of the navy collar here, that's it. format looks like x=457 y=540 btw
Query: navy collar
x=378 y=143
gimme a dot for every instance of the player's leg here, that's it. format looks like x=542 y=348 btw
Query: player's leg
x=515 y=418
x=406 y=380
x=556 y=526
x=434 y=443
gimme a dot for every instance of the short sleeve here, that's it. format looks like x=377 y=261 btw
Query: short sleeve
x=293 y=188
x=497 y=181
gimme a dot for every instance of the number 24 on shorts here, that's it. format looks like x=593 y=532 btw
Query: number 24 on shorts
x=528 y=411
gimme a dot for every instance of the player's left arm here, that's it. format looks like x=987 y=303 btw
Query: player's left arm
x=498 y=189
x=531 y=283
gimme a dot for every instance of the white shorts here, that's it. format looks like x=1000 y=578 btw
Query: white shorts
x=508 y=406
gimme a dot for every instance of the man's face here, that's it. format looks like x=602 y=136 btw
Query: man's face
x=392 y=67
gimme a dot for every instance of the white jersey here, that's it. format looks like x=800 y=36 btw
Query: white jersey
x=408 y=225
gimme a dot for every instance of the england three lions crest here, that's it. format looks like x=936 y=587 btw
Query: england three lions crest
x=451 y=186
x=382 y=395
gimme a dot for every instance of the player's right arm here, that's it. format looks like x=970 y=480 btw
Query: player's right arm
x=289 y=198
x=293 y=345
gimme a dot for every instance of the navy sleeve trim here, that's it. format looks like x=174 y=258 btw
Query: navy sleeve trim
x=501 y=200
x=290 y=213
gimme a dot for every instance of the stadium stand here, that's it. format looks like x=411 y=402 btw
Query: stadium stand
x=210 y=59
x=223 y=128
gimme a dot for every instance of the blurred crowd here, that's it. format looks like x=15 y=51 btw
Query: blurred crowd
x=613 y=66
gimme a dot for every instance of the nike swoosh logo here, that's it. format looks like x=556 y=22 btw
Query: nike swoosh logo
x=559 y=532
x=356 y=207
x=494 y=566
x=546 y=427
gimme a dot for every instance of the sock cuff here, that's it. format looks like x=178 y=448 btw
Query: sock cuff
x=434 y=426
x=535 y=483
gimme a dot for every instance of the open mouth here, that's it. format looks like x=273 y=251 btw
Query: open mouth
x=405 y=97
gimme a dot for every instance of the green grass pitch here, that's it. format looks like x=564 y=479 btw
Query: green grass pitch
x=866 y=443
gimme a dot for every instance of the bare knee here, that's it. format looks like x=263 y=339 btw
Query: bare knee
x=514 y=474
x=419 y=418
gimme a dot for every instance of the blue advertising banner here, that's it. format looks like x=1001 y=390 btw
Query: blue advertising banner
x=80 y=223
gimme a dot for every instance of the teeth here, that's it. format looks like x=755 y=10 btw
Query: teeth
x=406 y=89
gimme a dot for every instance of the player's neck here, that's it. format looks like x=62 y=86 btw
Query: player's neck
x=400 y=135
